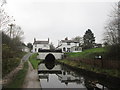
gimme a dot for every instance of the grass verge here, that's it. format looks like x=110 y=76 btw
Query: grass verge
x=18 y=80
x=88 y=54
x=34 y=61
x=111 y=72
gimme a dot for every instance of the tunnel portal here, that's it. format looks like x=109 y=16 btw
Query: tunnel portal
x=50 y=58
x=50 y=61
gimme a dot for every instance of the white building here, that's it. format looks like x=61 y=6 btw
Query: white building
x=25 y=49
x=39 y=45
x=69 y=46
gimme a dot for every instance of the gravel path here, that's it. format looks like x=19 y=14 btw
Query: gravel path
x=26 y=57
x=31 y=80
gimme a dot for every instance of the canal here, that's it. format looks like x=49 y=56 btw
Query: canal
x=55 y=75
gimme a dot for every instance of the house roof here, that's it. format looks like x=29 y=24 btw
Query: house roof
x=69 y=41
x=41 y=42
x=59 y=46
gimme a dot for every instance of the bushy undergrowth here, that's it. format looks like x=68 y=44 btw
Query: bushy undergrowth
x=9 y=64
x=113 y=52
x=18 y=80
x=11 y=53
x=10 y=59
x=111 y=72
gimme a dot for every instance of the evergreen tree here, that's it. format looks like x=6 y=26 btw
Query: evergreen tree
x=89 y=40
x=30 y=46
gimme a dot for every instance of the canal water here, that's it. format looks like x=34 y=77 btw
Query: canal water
x=54 y=75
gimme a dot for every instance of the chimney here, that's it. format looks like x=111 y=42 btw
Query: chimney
x=34 y=39
x=48 y=40
x=66 y=38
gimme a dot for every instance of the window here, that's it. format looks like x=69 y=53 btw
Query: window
x=35 y=49
x=64 y=49
x=68 y=43
x=76 y=49
x=39 y=49
x=68 y=49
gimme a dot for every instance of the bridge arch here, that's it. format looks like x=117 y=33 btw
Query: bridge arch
x=50 y=58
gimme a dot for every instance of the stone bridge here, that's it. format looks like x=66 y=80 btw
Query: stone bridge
x=50 y=54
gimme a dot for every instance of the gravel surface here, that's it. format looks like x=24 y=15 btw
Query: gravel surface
x=32 y=79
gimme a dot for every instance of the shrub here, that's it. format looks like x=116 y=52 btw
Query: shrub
x=113 y=52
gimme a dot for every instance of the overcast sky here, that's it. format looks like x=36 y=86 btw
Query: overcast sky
x=58 y=19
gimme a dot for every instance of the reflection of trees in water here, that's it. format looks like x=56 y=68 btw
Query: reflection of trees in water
x=89 y=83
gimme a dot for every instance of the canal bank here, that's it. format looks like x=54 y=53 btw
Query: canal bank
x=56 y=74
x=60 y=75
x=109 y=81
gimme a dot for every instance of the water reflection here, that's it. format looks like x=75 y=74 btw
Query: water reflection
x=67 y=78
x=53 y=75
x=44 y=76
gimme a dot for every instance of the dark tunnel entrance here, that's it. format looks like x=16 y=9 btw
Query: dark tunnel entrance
x=50 y=58
x=50 y=61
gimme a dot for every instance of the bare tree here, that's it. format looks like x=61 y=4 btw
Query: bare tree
x=4 y=18
x=119 y=22
x=112 y=34
x=15 y=31
x=2 y=2
x=78 y=39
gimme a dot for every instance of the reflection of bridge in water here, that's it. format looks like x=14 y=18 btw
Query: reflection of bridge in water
x=66 y=78
x=63 y=76
x=53 y=75
x=42 y=68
